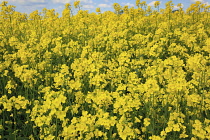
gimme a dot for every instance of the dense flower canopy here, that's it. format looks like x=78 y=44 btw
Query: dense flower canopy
x=136 y=73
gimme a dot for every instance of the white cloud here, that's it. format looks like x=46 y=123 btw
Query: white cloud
x=71 y=1
x=207 y=3
x=30 y=4
x=88 y=6
x=87 y=1
x=151 y=3
x=202 y=1
x=28 y=1
x=59 y=7
x=104 y=5
x=128 y=4
x=61 y=1
x=176 y=7
x=37 y=1
x=34 y=6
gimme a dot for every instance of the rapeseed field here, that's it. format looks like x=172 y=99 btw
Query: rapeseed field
x=136 y=73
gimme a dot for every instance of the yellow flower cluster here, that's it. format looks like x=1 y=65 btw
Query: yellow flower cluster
x=136 y=73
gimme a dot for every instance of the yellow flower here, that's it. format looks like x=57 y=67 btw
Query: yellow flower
x=98 y=10
x=163 y=133
x=76 y=4
x=137 y=2
x=183 y=135
x=49 y=137
x=157 y=3
x=176 y=127
x=168 y=129
x=117 y=7
x=137 y=120
x=153 y=137
x=146 y=122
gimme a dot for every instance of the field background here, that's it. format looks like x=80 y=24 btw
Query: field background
x=138 y=74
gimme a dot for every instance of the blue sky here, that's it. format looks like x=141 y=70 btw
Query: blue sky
x=27 y=6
